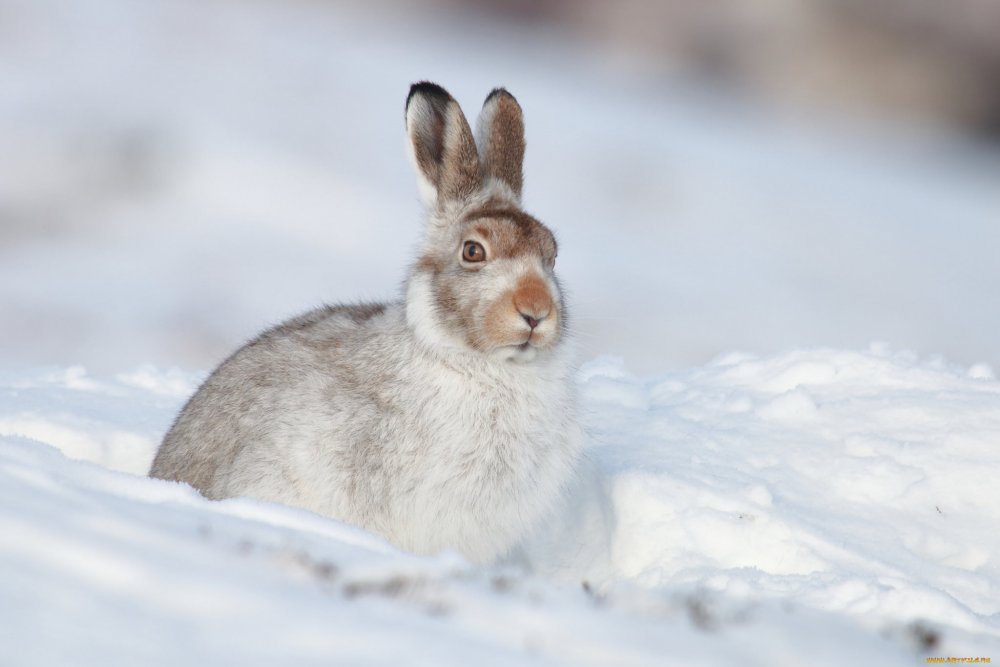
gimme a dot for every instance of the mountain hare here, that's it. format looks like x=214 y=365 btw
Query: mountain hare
x=444 y=420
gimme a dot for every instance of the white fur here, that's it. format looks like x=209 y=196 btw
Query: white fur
x=484 y=123
x=421 y=318
x=497 y=443
x=428 y=193
x=493 y=467
x=416 y=114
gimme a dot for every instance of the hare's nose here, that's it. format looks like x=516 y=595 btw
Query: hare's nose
x=532 y=300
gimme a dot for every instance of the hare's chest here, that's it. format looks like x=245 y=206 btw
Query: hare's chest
x=492 y=416
x=477 y=463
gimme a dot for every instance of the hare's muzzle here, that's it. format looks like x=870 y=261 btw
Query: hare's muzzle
x=532 y=300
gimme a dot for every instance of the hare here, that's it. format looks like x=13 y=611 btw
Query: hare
x=444 y=420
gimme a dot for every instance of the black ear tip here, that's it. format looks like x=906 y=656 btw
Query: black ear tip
x=429 y=89
x=497 y=92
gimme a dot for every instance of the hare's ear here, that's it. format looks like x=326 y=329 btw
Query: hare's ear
x=500 y=135
x=441 y=145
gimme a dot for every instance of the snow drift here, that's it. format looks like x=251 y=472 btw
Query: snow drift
x=816 y=506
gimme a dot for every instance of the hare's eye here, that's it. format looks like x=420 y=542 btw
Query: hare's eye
x=473 y=252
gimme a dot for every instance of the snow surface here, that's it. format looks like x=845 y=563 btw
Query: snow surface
x=821 y=507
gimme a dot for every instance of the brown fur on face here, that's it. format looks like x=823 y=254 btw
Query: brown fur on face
x=500 y=327
x=505 y=324
x=531 y=297
x=487 y=303
x=512 y=233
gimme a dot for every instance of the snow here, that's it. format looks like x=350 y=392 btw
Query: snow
x=815 y=506
x=174 y=176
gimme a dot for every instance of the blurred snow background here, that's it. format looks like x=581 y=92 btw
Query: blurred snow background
x=176 y=175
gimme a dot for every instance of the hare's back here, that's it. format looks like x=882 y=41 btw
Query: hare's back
x=283 y=380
